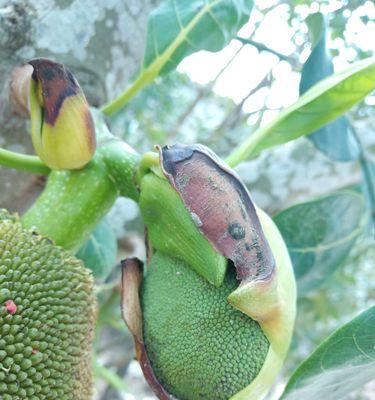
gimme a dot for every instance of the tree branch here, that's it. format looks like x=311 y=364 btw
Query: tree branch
x=202 y=92
x=263 y=47
x=231 y=120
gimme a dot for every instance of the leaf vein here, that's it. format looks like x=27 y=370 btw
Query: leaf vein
x=324 y=247
x=360 y=350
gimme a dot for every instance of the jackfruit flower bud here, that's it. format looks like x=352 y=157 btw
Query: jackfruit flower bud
x=195 y=340
x=62 y=127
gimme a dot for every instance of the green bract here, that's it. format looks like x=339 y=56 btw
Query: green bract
x=46 y=318
x=172 y=230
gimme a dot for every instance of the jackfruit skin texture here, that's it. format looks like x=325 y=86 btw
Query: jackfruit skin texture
x=45 y=345
x=199 y=346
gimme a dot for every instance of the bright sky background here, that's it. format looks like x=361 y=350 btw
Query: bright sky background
x=250 y=66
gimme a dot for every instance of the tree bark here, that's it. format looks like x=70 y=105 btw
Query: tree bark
x=101 y=42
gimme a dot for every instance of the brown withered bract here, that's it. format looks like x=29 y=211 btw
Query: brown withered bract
x=62 y=128
x=57 y=83
x=19 y=89
x=132 y=315
x=220 y=206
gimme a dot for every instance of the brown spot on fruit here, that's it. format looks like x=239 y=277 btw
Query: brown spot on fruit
x=236 y=230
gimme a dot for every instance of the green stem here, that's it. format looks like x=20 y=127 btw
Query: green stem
x=109 y=376
x=120 y=159
x=122 y=165
x=72 y=204
x=22 y=162
x=119 y=102
x=149 y=161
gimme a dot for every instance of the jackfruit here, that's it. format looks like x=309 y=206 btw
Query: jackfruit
x=199 y=346
x=47 y=314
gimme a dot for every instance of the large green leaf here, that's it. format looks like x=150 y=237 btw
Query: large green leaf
x=178 y=28
x=320 y=234
x=99 y=252
x=337 y=139
x=344 y=362
x=321 y=104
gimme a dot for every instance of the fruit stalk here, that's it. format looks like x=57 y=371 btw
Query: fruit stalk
x=71 y=205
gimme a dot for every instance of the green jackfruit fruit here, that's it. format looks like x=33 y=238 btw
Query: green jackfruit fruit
x=47 y=313
x=199 y=346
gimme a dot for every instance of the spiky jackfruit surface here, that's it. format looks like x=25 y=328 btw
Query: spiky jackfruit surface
x=199 y=346
x=47 y=313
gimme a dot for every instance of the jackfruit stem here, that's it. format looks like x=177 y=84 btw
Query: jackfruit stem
x=72 y=204
x=22 y=162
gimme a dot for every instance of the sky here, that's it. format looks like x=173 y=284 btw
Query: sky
x=250 y=66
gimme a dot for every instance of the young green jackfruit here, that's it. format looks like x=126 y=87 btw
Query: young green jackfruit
x=47 y=313
x=188 y=338
x=199 y=346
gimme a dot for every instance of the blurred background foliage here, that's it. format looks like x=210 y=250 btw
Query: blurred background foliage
x=210 y=99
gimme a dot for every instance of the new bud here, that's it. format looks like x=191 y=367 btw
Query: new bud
x=62 y=128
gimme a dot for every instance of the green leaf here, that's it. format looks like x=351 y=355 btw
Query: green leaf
x=336 y=140
x=99 y=252
x=178 y=28
x=344 y=362
x=109 y=376
x=320 y=234
x=321 y=104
